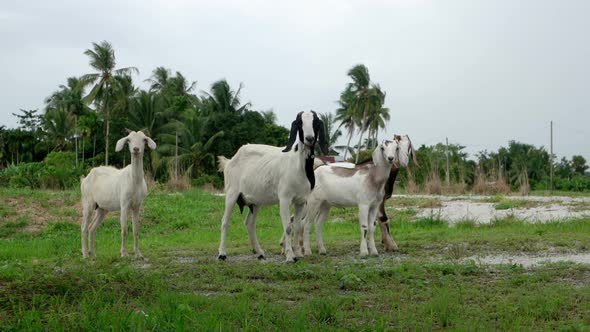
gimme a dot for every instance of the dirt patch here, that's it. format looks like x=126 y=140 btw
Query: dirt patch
x=483 y=210
x=530 y=260
x=36 y=215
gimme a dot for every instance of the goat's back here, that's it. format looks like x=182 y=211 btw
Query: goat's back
x=259 y=172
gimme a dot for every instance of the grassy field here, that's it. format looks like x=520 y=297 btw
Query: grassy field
x=431 y=284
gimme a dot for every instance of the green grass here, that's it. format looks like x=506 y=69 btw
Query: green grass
x=429 y=285
x=419 y=202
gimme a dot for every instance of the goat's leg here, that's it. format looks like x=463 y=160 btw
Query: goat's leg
x=386 y=237
x=372 y=225
x=230 y=200
x=124 y=231
x=98 y=218
x=250 y=223
x=286 y=220
x=297 y=229
x=86 y=215
x=310 y=218
x=364 y=225
x=306 y=225
x=319 y=223
x=135 y=224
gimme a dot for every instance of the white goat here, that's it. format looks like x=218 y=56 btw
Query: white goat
x=259 y=175
x=109 y=189
x=347 y=185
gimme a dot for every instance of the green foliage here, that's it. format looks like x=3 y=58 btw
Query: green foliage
x=57 y=171
x=25 y=175
x=60 y=171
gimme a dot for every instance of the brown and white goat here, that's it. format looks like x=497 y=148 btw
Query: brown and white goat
x=365 y=185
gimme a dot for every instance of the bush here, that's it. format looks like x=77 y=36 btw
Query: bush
x=214 y=180
x=25 y=175
x=576 y=183
x=60 y=171
x=57 y=171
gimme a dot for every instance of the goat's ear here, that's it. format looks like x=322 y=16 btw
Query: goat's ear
x=150 y=143
x=121 y=144
x=295 y=127
x=412 y=152
x=292 y=136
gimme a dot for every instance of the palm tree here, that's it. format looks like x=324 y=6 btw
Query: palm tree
x=58 y=127
x=347 y=115
x=269 y=116
x=363 y=102
x=332 y=134
x=179 y=86
x=70 y=99
x=146 y=114
x=102 y=60
x=124 y=95
x=223 y=99
x=378 y=115
x=194 y=150
x=159 y=79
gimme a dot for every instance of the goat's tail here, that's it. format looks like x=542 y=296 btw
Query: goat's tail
x=222 y=162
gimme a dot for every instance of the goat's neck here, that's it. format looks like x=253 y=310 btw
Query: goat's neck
x=137 y=168
x=304 y=164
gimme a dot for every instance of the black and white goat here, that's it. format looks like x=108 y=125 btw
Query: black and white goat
x=362 y=185
x=260 y=175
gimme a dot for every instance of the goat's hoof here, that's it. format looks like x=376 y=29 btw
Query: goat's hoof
x=261 y=257
x=323 y=253
x=221 y=257
x=291 y=260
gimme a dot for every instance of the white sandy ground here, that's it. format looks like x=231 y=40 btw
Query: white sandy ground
x=530 y=260
x=460 y=208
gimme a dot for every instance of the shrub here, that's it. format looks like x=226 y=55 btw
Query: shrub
x=25 y=175
x=214 y=180
x=60 y=171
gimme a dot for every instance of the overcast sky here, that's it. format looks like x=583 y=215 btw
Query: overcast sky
x=478 y=72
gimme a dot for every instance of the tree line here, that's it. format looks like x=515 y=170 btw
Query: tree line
x=83 y=117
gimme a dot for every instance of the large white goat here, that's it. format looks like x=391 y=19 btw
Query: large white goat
x=260 y=175
x=347 y=185
x=108 y=189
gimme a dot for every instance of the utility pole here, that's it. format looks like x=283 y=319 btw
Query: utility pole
x=176 y=159
x=551 y=158
x=448 y=177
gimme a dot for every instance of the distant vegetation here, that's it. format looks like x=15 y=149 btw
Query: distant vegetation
x=75 y=131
